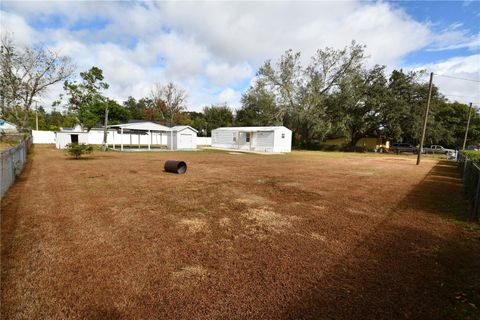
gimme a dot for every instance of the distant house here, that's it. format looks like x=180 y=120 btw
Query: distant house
x=263 y=139
x=7 y=127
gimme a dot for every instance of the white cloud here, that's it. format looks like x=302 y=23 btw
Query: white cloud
x=221 y=74
x=17 y=27
x=212 y=47
x=230 y=97
x=467 y=67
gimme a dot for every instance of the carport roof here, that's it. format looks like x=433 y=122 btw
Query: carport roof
x=145 y=126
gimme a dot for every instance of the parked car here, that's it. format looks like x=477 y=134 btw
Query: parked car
x=437 y=149
x=403 y=147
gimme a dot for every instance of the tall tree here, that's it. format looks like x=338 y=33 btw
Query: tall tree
x=259 y=107
x=301 y=92
x=355 y=110
x=86 y=99
x=217 y=116
x=25 y=75
x=169 y=100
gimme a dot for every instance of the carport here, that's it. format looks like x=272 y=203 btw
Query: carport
x=141 y=134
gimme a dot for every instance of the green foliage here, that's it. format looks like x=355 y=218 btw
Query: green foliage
x=297 y=95
x=76 y=150
x=259 y=107
x=86 y=100
x=337 y=96
x=217 y=116
x=474 y=155
x=197 y=120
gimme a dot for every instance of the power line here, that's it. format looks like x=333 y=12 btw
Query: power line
x=455 y=95
x=458 y=78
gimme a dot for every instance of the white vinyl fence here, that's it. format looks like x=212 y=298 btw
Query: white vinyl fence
x=204 y=141
x=12 y=161
x=41 y=136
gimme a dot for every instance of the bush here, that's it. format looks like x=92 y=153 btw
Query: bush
x=77 y=150
x=473 y=155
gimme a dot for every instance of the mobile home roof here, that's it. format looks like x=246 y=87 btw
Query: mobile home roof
x=251 y=129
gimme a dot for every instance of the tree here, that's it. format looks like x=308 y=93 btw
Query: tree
x=168 y=100
x=356 y=108
x=217 y=116
x=197 y=120
x=259 y=107
x=142 y=109
x=76 y=150
x=25 y=75
x=402 y=116
x=301 y=92
x=86 y=99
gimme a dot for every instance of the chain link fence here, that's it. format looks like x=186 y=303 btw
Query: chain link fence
x=12 y=161
x=470 y=173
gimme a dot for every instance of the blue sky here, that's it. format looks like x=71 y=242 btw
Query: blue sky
x=213 y=49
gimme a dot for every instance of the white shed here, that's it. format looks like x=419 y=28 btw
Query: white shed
x=184 y=137
x=65 y=137
x=264 y=139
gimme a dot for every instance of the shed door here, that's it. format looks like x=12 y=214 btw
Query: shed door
x=74 y=138
x=185 y=140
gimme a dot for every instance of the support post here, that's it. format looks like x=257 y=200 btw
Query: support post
x=113 y=142
x=426 y=118
x=36 y=115
x=468 y=126
x=139 y=140
x=105 y=145
x=150 y=140
x=121 y=138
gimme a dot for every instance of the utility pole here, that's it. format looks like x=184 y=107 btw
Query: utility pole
x=468 y=125
x=105 y=146
x=426 y=118
x=36 y=115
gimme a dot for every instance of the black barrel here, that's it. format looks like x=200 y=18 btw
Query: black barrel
x=175 y=166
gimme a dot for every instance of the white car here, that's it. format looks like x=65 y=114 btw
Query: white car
x=437 y=149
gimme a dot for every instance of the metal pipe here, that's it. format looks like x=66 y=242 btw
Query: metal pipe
x=175 y=166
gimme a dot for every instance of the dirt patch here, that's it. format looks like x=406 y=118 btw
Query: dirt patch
x=269 y=219
x=225 y=222
x=193 y=225
x=190 y=273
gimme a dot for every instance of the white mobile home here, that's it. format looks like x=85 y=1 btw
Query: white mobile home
x=263 y=139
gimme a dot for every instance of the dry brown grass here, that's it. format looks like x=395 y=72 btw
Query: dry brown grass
x=303 y=236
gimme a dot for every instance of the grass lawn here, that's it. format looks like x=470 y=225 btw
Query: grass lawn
x=308 y=235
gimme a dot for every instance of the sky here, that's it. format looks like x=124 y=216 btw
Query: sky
x=213 y=49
